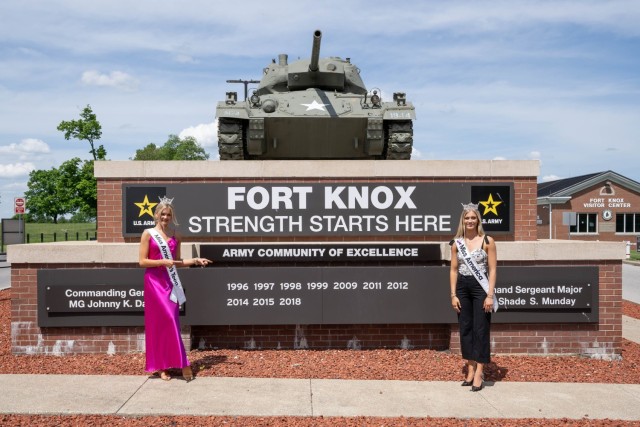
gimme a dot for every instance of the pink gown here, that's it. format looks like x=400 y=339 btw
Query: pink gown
x=164 y=346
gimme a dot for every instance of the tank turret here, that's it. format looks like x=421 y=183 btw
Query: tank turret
x=327 y=73
x=316 y=108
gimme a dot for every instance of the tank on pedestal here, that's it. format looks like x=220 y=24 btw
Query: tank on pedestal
x=316 y=108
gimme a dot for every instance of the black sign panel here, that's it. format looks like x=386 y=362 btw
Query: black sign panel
x=138 y=212
x=334 y=209
x=559 y=294
x=317 y=295
x=347 y=252
x=320 y=295
x=91 y=297
x=547 y=288
x=494 y=205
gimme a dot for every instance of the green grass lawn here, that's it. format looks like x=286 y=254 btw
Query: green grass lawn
x=37 y=233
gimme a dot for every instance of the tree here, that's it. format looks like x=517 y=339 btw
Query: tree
x=87 y=128
x=77 y=175
x=46 y=201
x=87 y=191
x=150 y=152
x=174 y=149
x=69 y=189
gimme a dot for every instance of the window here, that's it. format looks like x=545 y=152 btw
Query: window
x=628 y=223
x=585 y=223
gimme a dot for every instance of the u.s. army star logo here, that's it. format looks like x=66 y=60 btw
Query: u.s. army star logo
x=490 y=205
x=145 y=207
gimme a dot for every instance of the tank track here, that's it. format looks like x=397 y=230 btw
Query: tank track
x=231 y=137
x=399 y=140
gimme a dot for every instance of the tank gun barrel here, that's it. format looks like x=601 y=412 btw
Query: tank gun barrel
x=315 y=51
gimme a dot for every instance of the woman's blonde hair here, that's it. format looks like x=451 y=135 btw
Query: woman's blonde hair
x=479 y=228
x=160 y=207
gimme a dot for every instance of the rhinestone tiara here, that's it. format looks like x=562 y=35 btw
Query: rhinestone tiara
x=165 y=200
x=473 y=206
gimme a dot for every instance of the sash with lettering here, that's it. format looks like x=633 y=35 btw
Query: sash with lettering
x=475 y=269
x=177 y=293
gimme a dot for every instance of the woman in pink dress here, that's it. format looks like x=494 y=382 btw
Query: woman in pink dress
x=164 y=346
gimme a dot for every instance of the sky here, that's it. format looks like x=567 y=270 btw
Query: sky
x=554 y=81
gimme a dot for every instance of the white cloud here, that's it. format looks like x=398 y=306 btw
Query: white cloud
x=15 y=185
x=535 y=155
x=16 y=169
x=548 y=178
x=115 y=79
x=28 y=145
x=472 y=17
x=206 y=134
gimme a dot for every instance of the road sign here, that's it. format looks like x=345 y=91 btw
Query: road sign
x=18 y=205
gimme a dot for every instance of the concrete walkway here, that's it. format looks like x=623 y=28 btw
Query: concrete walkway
x=631 y=329
x=139 y=396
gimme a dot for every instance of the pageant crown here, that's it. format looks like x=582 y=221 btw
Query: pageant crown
x=473 y=206
x=165 y=200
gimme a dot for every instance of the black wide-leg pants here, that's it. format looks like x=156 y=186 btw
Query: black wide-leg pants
x=474 y=322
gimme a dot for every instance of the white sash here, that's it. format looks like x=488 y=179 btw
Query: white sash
x=177 y=293
x=475 y=269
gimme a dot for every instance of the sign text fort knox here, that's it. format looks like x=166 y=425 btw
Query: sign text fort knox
x=320 y=209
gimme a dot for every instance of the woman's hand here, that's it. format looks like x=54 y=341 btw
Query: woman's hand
x=202 y=262
x=488 y=304
x=455 y=303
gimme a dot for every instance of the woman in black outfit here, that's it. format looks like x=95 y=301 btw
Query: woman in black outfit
x=473 y=256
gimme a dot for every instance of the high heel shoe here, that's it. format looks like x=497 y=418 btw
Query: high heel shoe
x=187 y=373
x=467 y=383
x=480 y=387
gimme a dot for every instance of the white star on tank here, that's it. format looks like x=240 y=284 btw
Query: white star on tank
x=315 y=106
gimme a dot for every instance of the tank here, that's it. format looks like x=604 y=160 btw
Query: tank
x=316 y=108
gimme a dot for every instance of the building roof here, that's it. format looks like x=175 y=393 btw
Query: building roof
x=569 y=186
